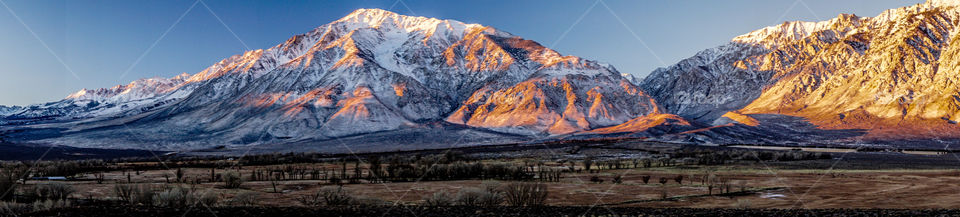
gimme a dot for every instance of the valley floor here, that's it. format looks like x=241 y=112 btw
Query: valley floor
x=763 y=188
x=624 y=179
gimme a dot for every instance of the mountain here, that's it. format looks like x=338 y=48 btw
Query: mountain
x=142 y=94
x=4 y=110
x=374 y=74
x=379 y=81
x=894 y=75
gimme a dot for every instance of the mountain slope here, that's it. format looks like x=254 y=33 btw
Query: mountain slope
x=371 y=72
x=895 y=74
x=5 y=110
x=141 y=94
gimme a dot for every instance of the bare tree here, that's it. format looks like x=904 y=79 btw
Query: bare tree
x=587 y=163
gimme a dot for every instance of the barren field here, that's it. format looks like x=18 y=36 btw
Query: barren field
x=774 y=188
x=597 y=178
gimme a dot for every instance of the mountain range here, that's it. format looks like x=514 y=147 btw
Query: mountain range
x=894 y=76
x=376 y=80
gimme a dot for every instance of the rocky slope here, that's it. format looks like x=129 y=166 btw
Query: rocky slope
x=894 y=74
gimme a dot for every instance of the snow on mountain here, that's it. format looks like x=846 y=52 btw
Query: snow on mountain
x=139 y=89
x=377 y=80
x=894 y=74
x=630 y=77
x=137 y=95
x=5 y=110
x=372 y=72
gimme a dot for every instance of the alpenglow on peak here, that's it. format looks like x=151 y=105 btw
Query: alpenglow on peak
x=944 y=2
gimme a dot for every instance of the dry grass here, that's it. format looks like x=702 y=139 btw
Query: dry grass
x=815 y=188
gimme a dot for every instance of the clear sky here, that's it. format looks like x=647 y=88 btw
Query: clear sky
x=100 y=41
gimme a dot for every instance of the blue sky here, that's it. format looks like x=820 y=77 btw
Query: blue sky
x=99 y=41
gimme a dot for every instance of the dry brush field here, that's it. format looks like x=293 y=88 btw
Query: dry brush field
x=637 y=179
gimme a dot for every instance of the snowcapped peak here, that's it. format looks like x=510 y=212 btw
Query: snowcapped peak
x=77 y=94
x=379 y=18
x=944 y=2
x=139 y=89
x=794 y=30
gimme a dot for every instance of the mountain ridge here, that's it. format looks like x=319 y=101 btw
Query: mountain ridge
x=893 y=75
x=372 y=71
x=382 y=80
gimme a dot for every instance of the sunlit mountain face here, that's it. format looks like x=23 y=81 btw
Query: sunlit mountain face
x=894 y=75
x=377 y=80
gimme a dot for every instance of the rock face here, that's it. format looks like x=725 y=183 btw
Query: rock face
x=372 y=71
x=895 y=75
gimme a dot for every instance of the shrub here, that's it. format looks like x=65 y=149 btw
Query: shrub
x=646 y=179
x=438 y=199
x=135 y=194
x=232 y=180
x=490 y=199
x=596 y=180
x=42 y=205
x=124 y=192
x=13 y=208
x=311 y=200
x=207 y=199
x=245 y=199
x=143 y=195
x=174 y=197
x=469 y=197
x=525 y=194
x=330 y=196
x=678 y=179
x=492 y=196
x=479 y=197
x=54 y=191
x=618 y=179
x=336 y=196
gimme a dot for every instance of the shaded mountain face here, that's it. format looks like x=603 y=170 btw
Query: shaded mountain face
x=372 y=71
x=6 y=110
x=895 y=74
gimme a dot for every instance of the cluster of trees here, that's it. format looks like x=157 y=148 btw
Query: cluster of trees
x=400 y=170
x=409 y=168
x=292 y=172
x=55 y=168
x=723 y=184
x=590 y=164
x=705 y=156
